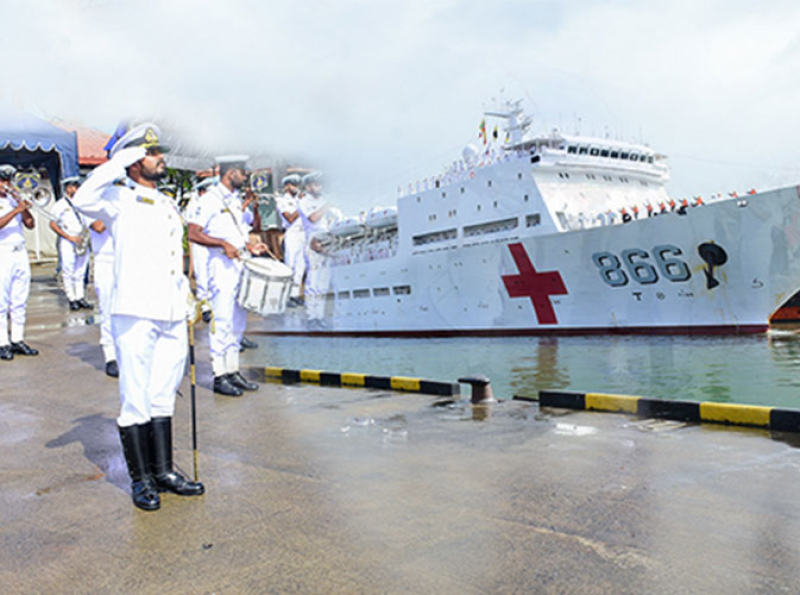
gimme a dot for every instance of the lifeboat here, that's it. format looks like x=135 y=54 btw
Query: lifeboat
x=382 y=217
x=347 y=226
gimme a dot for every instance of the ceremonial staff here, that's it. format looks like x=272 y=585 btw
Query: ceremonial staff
x=193 y=375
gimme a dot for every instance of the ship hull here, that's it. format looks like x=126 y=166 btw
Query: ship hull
x=721 y=268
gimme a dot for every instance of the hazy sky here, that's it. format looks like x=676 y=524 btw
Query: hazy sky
x=383 y=93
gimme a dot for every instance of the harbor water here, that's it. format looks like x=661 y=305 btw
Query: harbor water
x=759 y=369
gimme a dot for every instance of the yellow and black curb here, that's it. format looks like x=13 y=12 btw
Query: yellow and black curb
x=346 y=379
x=774 y=418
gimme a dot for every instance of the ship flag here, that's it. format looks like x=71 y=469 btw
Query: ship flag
x=482 y=129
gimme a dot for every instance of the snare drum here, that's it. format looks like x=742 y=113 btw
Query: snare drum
x=264 y=286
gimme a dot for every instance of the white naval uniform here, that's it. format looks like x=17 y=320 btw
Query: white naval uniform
x=15 y=275
x=220 y=216
x=149 y=302
x=103 y=250
x=73 y=266
x=319 y=274
x=199 y=258
x=294 y=242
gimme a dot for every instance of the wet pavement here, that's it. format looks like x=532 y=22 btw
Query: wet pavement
x=322 y=490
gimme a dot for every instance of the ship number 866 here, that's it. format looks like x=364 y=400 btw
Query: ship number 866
x=637 y=265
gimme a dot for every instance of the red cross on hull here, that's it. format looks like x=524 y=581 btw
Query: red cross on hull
x=537 y=286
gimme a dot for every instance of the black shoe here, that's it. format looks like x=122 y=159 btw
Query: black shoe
x=165 y=477
x=236 y=379
x=22 y=349
x=112 y=369
x=73 y=305
x=295 y=302
x=82 y=303
x=223 y=386
x=136 y=447
x=6 y=353
x=206 y=316
x=248 y=344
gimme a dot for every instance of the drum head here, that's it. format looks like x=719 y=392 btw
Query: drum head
x=268 y=267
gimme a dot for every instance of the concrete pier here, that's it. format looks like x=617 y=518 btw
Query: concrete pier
x=334 y=490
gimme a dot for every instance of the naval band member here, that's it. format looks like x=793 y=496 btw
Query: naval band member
x=15 y=269
x=149 y=307
x=72 y=232
x=103 y=251
x=200 y=253
x=313 y=208
x=219 y=223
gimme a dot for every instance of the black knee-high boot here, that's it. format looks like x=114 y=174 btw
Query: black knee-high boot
x=164 y=476
x=136 y=446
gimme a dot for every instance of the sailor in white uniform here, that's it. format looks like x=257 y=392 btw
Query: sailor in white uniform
x=15 y=270
x=200 y=253
x=294 y=238
x=149 y=306
x=103 y=251
x=313 y=210
x=218 y=223
x=73 y=237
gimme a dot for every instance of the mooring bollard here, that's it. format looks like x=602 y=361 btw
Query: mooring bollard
x=481 y=389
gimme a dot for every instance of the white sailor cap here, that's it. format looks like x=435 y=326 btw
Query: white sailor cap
x=145 y=135
x=206 y=183
x=7 y=171
x=291 y=179
x=227 y=162
x=312 y=178
x=76 y=180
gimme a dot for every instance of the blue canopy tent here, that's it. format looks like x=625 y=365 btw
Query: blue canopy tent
x=28 y=142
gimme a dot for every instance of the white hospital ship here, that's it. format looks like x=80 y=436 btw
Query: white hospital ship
x=557 y=234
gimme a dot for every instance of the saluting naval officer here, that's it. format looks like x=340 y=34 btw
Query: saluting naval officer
x=15 y=270
x=294 y=238
x=218 y=223
x=149 y=306
x=72 y=232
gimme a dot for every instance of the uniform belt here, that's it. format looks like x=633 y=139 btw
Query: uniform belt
x=13 y=247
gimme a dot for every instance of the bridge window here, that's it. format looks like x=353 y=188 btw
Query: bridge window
x=380 y=291
x=533 y=220
x=604 y=153
x=634 y=157
x=361 y=293
x=402 y=289
x=594 y=152
x=572 y=149
x=344 y=295
x=623 y=155
x=615 y=154
x=583 y=150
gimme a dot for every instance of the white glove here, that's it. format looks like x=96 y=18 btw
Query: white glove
x=129 y=156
